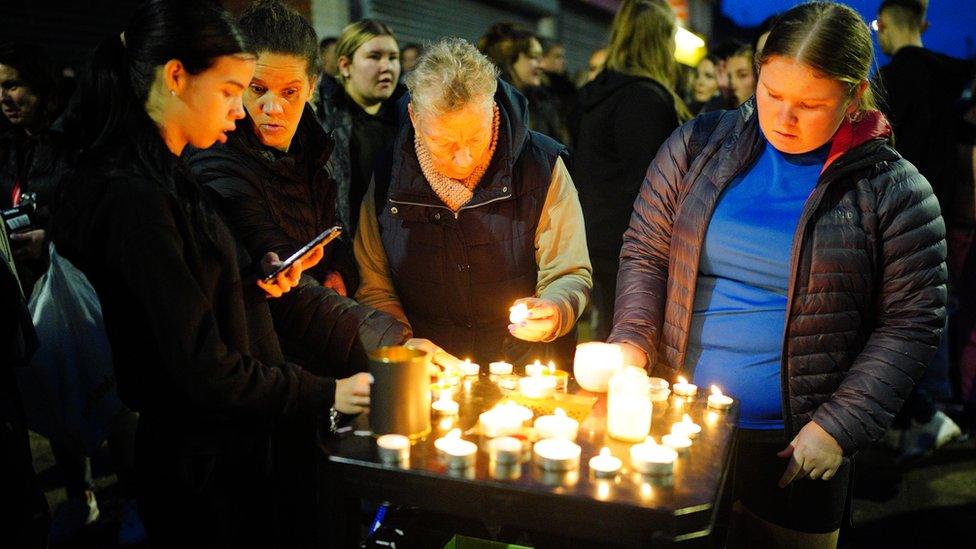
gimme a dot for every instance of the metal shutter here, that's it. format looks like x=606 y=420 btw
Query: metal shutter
x=429 y=20
x=582 y=30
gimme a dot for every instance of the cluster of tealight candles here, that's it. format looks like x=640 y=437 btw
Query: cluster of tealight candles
x=555 y=450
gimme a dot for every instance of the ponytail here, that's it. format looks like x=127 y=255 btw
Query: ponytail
x=107 y=100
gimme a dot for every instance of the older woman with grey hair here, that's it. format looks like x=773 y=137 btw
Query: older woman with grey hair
x=470 y=213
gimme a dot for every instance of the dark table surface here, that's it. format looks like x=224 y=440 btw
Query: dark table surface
x=629 y=510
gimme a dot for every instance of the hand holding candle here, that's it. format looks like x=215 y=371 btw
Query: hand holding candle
x=541 y=322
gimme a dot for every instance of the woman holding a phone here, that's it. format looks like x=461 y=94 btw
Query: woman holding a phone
x=193 y=347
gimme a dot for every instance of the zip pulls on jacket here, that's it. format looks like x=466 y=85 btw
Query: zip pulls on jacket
x=827 y=178
x=441 y=206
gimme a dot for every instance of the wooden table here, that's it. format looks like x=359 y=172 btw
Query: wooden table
x=630 y=510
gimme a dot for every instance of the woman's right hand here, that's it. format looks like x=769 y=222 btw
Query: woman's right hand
x=352 y=394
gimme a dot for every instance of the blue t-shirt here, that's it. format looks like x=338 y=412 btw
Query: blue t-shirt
x=736 y=338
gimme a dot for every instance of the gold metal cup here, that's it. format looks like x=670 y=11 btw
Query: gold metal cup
x=399 y=399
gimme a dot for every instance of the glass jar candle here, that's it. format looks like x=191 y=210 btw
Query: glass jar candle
x=629 y=406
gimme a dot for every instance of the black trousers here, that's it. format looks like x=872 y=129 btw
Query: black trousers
x=208 y=490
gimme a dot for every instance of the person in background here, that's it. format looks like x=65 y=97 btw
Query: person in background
x=627 y=113
x=725 y=99
x=193 y=347
x=409 y=54
x=762 y=33
x=923 y=91
x=706 y=83
x=359 y=110
x=26 y=518
x=470 y=213
x=554 y=79
x=786 y=253
x=517 y=53
x=36 y=156
x=270 y=183
x=327 y=54
x=595 y=64
x=741 y=68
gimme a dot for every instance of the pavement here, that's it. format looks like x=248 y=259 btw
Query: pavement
x=932 y=504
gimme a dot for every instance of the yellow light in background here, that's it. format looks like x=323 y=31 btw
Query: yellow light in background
x=689 y=47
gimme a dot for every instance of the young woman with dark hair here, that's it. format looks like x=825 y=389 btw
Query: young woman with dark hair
x=271 y=184
x=192 y=341
x=786 y=253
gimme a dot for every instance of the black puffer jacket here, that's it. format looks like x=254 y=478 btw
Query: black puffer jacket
x=278 y=204
x=867 y=295
x=624 y=120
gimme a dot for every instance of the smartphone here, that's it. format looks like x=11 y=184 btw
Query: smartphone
x=323 y=238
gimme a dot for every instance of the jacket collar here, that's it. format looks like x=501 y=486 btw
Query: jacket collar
x=870 y=126
x=309 y=136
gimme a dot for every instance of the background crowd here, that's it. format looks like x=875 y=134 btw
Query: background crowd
x=323 y=137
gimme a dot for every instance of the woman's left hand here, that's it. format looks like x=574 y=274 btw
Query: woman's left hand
x=543 y=320
x=334 y=281
x=814 y=453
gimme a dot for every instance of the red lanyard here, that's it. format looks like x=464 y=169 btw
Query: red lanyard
x=15 y=195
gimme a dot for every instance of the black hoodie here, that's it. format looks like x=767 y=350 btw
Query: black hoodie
x=624 y=119
x=921 y=94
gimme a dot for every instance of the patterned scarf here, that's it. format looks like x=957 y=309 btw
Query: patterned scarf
x=455 y=193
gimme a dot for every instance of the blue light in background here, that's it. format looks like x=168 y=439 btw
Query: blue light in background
x=952 y=23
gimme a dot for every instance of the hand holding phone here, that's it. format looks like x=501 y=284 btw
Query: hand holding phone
x=285 y=275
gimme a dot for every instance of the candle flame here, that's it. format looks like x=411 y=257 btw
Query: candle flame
x=467 y=361
x=560 y=412
x=605 y=452
x=552 y=367
x=650 y=441
x=716 y=391
x=518 y=313
x=537 y=363
x=453 y=434
x=686 y=419
x=681 y=379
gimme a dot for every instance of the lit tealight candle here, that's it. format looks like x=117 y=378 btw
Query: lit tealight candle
x=455 y=451
x=536 y=369
x=683 y=388
x=679 y=442
x=500 y=368
x=719 y=401
x=518 y=313
x=500 y=421
x=556 y=454
x=558 y=425
x=686 y=427
x=605 y=465
x=561 y=377
x=393 y=449
x=505 y=450
x=469 y=368
x=537 y=386
x=650 y=458
x=445 y=406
